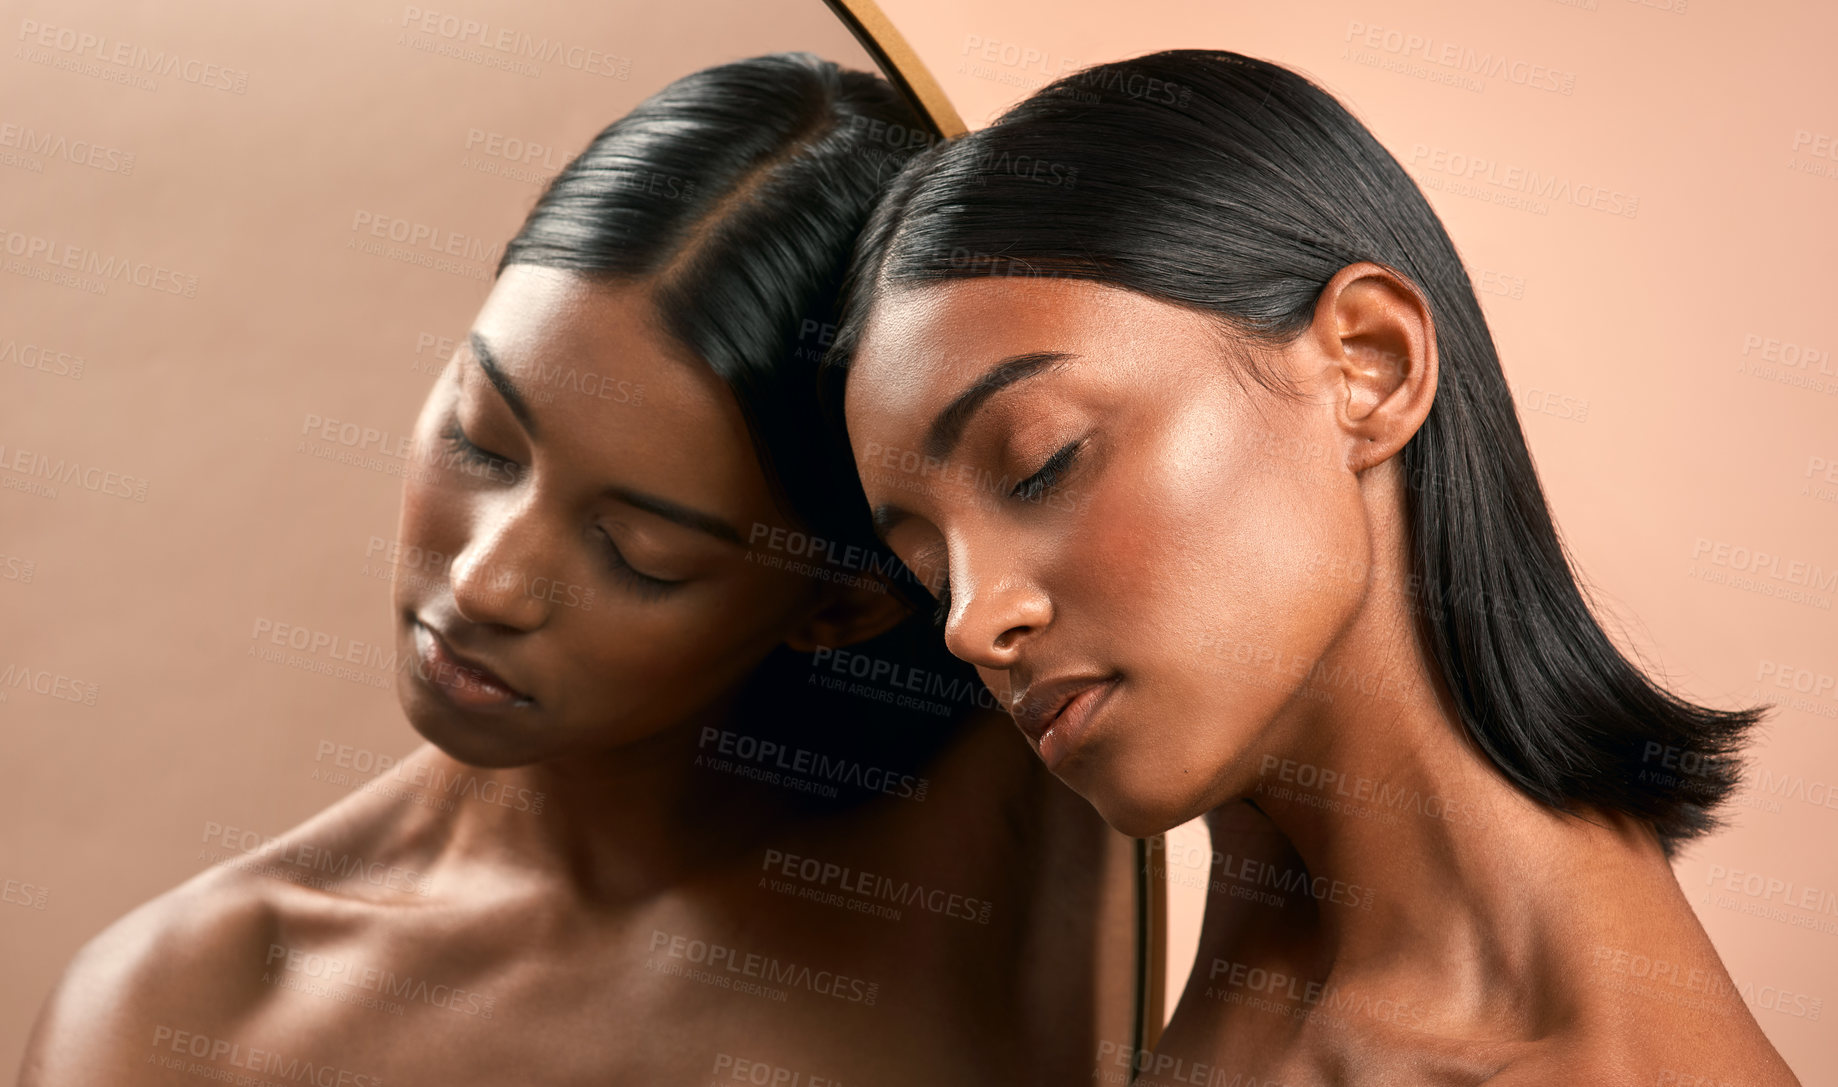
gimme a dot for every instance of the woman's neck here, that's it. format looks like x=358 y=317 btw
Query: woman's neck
x=1435 y=874
x=625 y=823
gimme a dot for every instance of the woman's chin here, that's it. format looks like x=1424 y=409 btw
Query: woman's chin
x=1143 y=793
x=1142 y=815
x=486 y=745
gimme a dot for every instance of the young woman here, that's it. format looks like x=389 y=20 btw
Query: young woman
x=1173 y=384
x=693 y=841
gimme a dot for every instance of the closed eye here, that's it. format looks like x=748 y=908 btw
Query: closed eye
x=1050 y=473
x=475 y=459
x=644 y=585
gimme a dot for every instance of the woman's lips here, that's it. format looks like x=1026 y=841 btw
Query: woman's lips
x=1058 y=718
x=460 y=680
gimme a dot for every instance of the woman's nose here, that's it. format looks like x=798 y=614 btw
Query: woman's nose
x=491 y=576
x=994 y=612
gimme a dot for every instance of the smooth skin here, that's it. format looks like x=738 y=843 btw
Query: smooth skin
x=569 y=945
x=1234 y=564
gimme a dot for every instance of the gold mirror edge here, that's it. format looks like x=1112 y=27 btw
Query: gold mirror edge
x=902 y=66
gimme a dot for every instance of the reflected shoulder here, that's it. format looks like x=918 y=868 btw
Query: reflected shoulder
x=189 y=960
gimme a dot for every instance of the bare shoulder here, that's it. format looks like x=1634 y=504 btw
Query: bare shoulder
x=181 y=962
x=188 y=969
x=1686 y=1059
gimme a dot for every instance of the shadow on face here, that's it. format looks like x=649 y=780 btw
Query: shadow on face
x=574 y=532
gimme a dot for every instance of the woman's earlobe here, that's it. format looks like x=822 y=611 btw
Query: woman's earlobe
x=850 y=615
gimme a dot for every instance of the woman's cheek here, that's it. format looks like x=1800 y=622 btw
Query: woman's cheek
x=1242 y=609
x=692 y=650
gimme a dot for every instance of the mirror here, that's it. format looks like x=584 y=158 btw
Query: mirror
x=243 y=246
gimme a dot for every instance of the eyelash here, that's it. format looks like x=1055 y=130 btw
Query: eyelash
x=464 y=448
x=1050 y=473
x=646 y=586
x=1028 y=490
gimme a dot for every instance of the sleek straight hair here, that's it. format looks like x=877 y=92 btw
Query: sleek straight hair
x=733 y=196
x=1238 y=188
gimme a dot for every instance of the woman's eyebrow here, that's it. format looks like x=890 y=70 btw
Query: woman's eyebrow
x=488 y=362
x=676 y=512
x=948 y=426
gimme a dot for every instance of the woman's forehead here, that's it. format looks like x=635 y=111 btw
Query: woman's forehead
x=609 y=389
x=922 y=342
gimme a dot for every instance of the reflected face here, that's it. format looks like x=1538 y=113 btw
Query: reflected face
x=572 y=570
x=1130 y=541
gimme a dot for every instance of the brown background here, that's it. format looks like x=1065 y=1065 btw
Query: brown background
x=1624 y=339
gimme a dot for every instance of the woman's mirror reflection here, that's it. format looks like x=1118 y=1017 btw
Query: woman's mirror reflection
x=741 y=858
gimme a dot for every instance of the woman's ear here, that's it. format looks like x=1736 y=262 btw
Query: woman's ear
x=1379 y=341
x=848 y=614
